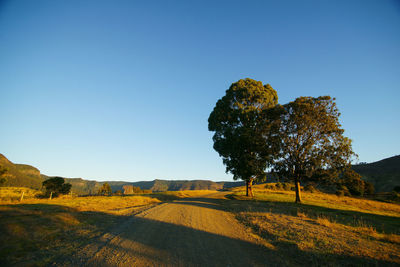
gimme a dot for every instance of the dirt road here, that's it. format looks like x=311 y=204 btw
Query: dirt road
x=188 y=232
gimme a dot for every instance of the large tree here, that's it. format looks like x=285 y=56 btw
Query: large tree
x=238 y=123
x=310 y=139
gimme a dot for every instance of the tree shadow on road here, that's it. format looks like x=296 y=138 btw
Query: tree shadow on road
x=40 y=234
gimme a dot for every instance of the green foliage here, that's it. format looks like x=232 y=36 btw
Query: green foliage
x=105 y=189
x=310 y=187
x=57 y=186
x=356 y=186
x=309 y=138
x=343 y=191
x=3 y=180
x=239 y=127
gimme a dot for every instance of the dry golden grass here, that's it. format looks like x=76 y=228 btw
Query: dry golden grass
x=11 y=194
x=325 y=228
x=36 y=231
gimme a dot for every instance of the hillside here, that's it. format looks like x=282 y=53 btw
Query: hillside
x=21 y=174
x=383 y=174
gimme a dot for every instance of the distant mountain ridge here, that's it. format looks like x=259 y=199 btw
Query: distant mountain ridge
x=22 y=175
x=383 y=174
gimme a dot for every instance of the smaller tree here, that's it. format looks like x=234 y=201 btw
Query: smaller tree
x=309 y=138
x=56 y=186
x=105 y=189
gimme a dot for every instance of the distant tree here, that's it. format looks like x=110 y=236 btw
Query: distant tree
x=356 y=186
x=309 y=139
x=56 y=186
x=369 y=188
x=3 y=180
x=238 y=126
x=105 y=189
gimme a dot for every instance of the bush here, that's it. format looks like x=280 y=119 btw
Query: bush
x=279 y=186
x=310 y=188
x=343 y=191
x=270 y=186
x=288 y=186
x=397 y=189
x=356 y=186
x=368 y=188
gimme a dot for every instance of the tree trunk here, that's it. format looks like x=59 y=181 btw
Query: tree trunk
x=249 y=187
x=297 y=187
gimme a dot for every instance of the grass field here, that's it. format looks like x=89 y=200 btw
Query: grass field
x=35 y=232
x=324 y=228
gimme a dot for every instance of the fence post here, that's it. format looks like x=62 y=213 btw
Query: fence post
x=51 y=195
x=22 y=196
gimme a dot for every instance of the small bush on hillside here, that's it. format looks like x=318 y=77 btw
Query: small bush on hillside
x=288 y=186
x=343 y=191
x=310 y=188
x=270 y=186
x=368 y=188
x=279 y=186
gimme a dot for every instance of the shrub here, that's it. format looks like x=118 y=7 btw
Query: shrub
x=397 y=189
x=368 y=188
x=310 y=188
x=288 y=186
x=343 y=191
x=270 y=186
x=279 y=186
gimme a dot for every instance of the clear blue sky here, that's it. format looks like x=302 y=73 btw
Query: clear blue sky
x=122 y=90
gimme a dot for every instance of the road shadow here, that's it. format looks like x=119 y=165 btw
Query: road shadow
x=68 y=237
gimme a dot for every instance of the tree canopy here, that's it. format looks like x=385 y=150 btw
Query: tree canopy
x=238 y=123
x=56 y=186
x=105 y=189
x=309 y=138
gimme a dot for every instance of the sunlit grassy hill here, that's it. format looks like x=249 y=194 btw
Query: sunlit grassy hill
x=383 y=174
